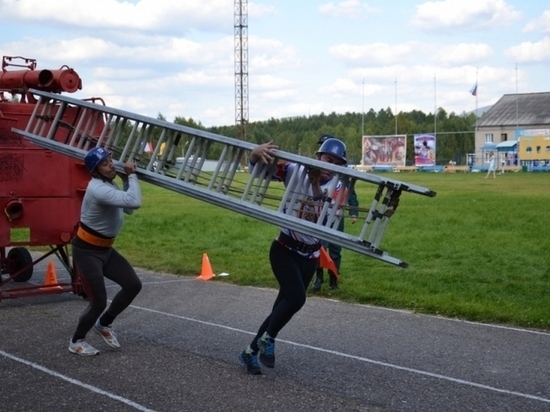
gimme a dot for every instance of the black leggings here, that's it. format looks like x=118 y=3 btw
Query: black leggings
x=294 y=273
x=93 y=265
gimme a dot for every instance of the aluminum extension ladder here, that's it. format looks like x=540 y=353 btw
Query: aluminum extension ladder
x=129 y=136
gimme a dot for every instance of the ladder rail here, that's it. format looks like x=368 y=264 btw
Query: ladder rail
x=252 y=210
x=126 y=135
x=286 y=156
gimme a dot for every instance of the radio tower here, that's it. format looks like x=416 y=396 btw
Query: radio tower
x=241 y=67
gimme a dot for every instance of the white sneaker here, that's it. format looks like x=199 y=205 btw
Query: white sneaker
x=107 y=333
x=82 y=348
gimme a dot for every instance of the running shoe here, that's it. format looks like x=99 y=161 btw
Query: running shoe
x=107 y=333
x=267 y=350
x=82 y=348
x=250 y=361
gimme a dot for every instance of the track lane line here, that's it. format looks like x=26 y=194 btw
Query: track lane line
x=359 y=358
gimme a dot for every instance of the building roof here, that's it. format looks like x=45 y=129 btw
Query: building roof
x=523 y=109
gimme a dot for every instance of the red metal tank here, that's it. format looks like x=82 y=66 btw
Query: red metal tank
x=40 y=191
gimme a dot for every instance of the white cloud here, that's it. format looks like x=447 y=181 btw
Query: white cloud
x=375 y=53
x=463 y=14
x=271 y=55
x=410 y=77
x=531 y=52
x=341 y=87
x=280 y=95
x=216 y=112
x=269 y=82
x=456 y=54
x=542 y=24
x=386 y=54
x=111 y=73
x=351 y=9
x=166 y=16
x=49 y=49
x=257 y=10
x=160 y=54
x=100 y=89
x=177 y=57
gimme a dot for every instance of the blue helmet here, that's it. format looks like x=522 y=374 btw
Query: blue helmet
x=95 y=157
x=324 y=138
x=334 y=147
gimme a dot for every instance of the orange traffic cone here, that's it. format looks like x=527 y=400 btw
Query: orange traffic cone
x=206 y=270
x=325 y=261
x=50 y=280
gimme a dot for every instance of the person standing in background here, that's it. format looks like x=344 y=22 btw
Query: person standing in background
x=334 y=250
x=492 y=165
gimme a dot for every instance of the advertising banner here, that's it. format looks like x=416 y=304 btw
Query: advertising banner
x=384 y=150
x=424 y=150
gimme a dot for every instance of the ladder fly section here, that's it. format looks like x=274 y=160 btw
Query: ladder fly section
x=209 y=167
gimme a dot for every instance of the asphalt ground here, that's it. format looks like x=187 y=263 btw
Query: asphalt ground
x=181 y=337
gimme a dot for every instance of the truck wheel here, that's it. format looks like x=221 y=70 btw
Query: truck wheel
x=18 y=258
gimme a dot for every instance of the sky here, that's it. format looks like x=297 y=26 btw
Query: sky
x=177 y=58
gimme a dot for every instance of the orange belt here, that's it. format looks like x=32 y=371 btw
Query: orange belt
x=93 y=239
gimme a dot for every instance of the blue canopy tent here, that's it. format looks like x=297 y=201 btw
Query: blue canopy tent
x=488 y=147
x=507 y=146
x=507 y=152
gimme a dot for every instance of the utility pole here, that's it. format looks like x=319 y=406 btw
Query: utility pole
x=241 y=67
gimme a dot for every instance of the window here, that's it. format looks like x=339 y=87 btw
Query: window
x=488 y=138
x=503 y=137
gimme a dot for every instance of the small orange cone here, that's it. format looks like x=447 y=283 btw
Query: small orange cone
x=50 y=280
x=325 y=261
x=206 y=270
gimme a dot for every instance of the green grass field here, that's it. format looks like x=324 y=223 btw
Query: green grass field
x=479 y=250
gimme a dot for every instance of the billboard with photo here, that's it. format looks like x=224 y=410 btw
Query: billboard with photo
x=534 y=144
x=424 y=150
x=384 y=150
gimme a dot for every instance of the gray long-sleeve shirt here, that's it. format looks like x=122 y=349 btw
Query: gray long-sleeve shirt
x=104 y=204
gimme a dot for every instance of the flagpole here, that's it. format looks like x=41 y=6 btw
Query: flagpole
x=396 y=105
x=435 y=107
x=517 y=108
x=473 y=92
x=476 y=94
x=363 y=112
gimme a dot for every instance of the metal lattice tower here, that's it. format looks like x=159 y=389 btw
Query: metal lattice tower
x=241 y=67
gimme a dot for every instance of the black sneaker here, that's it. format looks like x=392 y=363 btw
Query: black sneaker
x=333 y=282
x=250 y=361
x=267 y=350
x=317 y=284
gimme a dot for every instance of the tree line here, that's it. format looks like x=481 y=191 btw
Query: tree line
x=454 y=133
